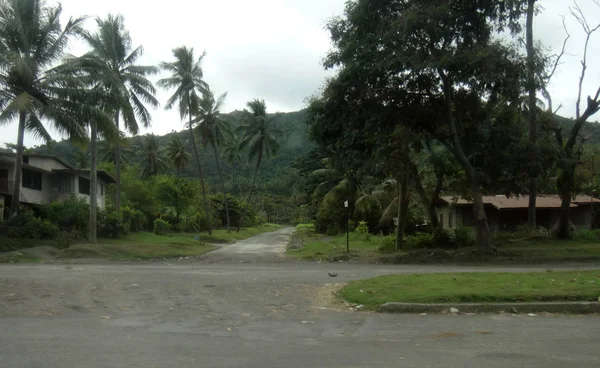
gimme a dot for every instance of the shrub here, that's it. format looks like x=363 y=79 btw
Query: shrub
x=587 y=236
x=161 y=226
x=110 y=224
x=388 y=244
x=442 y=238
x=70 y=215
x=26 y=225
x=420 y=241
x=463 y=238
x=362 y=227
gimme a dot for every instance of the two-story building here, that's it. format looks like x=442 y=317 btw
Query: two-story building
x=48 y=178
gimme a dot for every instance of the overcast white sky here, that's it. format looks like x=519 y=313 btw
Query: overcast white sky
x=272 y=49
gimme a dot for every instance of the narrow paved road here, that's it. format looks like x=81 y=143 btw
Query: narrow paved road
x=237 y=308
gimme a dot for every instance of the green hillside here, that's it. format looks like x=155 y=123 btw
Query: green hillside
x=277 y=175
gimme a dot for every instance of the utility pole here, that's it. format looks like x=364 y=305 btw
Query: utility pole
x=347 y=227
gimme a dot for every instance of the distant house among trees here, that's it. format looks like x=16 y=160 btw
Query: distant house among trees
x=506 y=213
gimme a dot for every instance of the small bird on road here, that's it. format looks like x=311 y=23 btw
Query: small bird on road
x=332 y=274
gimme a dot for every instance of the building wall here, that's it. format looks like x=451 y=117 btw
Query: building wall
x=47 y=164
x=39 y=196
x=100 y=199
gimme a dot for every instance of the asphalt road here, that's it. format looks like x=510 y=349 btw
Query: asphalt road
x=243 y=306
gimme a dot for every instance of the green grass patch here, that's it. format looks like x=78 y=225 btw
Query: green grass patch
x=142 y=246
x=475 y=287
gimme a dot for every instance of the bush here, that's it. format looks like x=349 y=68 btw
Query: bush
x=161 y=227
x=71 y=215
x=463 y=238
x=26 y=225
x=110 y=224
x=362 y=227
x=420 y=241
x=442 y=239
x=388 y=244
x=587 y=236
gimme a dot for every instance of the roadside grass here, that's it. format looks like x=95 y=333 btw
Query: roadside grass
x=474 y=287
x=308 y=245
x=135 y=246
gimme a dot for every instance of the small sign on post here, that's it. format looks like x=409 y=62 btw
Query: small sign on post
x=345 y=204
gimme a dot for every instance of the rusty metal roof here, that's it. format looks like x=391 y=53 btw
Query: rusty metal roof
x=502 y=202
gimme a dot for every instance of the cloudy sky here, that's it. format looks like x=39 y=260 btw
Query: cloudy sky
x=272 y=49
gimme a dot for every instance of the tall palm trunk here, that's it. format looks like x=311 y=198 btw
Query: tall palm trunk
x=250 y=194
x=531 y=220
x=117 y=164
x=402 y=211
x=202 y=186
x=93 y=182
x=214 y=147
x=16 y=190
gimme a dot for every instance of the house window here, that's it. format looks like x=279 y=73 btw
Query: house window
x=451 y=219
x=26 y=159
x=64 y=185
x=442 y=220
x=84 y=186
x=101 y=189
x=32 y=179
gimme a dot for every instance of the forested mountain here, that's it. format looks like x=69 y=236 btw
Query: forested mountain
x=276 y=174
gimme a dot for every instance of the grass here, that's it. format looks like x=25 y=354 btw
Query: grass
x=308 y=245
x=138 y=246
x=474 y=287
x=317 y=247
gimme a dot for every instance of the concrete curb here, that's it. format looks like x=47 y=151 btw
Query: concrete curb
x=550 y=307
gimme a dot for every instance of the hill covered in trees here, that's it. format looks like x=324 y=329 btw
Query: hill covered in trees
x=276 y=174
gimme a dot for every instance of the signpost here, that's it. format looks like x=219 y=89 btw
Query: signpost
x=347 y=230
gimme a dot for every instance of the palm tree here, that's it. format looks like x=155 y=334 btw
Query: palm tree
x=109 y=148
x=259 y=139
x=151 y=156
x=32 y=87
x=82 y=159
x=186 y=79
x=213 y=129
x=113 y=60
x=233 y=155
x=177 y=153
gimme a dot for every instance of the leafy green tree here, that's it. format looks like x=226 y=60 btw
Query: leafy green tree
x=177 y=153
x=213 y=129
x=32 y=88
x=82 y=159
x=109 y=148
x=114 y=59
x=258 y=138
x=187 y=80
x=435 y=67
x=152 y=158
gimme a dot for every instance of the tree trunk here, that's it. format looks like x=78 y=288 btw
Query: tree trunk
x=93 y=183
x=249 y=196
x=402 y=211
x=565 y=186
x=16 y=190
x=222 y=183
x=428 y=205
x=484 y=242
x=531 y=220
x=202 y=186
x=117 y=164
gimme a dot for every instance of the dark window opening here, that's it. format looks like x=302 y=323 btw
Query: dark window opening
x=84 y=186
x=101 y=189
x=32 y=179
x=25 y=159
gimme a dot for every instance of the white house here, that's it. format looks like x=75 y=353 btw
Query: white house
x=48 y=178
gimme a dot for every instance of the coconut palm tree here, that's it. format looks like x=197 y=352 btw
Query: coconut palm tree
x=177 y=154
x=33 y=88
x=233 y=155
x=259 y=138
x=213 y=129
x=151 y=154
x=186 y=78
x=82 y=159
x=109 y=148
x=113 y=60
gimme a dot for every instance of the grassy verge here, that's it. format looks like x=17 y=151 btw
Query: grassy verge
x=137 y=246
x=474 y=287
x=307 y=245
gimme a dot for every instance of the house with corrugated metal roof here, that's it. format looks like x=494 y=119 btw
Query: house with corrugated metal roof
x=506 y=213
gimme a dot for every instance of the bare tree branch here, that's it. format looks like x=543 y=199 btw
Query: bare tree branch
x=547 y=77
